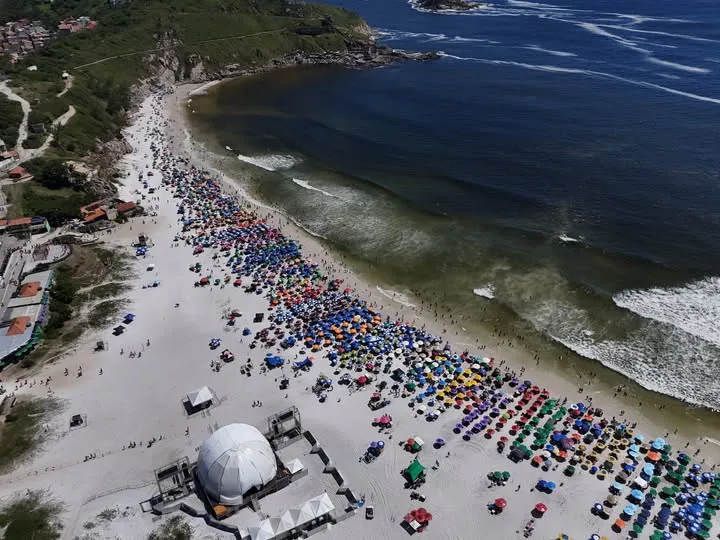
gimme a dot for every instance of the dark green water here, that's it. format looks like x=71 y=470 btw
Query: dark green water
x=398 y=202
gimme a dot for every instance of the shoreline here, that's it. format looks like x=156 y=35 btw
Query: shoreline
x=663 y=412
x=138 y=399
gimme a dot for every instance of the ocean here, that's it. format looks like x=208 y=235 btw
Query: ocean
x=554 y=174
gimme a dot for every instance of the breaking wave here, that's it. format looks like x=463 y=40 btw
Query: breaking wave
x=306 y=185
x=271 y=162
x=694 y=308
x=564 y=238
x=486 y=291
x=395 y=296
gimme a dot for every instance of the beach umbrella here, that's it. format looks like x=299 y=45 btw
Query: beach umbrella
x=630 y=510
x=500 y=503
x=540 y=508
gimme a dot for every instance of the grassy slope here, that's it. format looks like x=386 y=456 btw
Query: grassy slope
x=10 y=118
x=212 y=29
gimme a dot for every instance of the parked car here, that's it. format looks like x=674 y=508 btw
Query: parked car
x=369 y=512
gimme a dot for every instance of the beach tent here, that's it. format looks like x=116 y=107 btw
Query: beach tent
x=274 y=361
x=414 y=471
x=266 y=530
x=294 y=466
x=200 y=397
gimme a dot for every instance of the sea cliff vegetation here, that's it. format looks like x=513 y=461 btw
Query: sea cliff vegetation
x=141 y=42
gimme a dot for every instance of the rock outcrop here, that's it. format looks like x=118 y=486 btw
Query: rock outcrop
x=441 y=5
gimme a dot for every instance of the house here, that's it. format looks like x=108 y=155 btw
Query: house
x=95 y=215
x=18 y=172
x=37 y=128
x=8 y=160
x=25 y=225
x=125 y=207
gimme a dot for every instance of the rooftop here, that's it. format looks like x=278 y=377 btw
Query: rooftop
x=31 y=290
x=125 y=206
x=93 y=215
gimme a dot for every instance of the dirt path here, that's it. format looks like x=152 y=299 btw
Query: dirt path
x=158 y=49
x=23 y=127
x=59 y=121
x=68 y=85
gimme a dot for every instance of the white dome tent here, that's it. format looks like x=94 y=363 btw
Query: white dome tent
x=234 y=460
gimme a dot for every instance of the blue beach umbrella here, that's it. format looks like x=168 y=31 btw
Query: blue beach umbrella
x=630 y=510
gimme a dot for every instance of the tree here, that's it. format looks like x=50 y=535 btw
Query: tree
x=55 y=175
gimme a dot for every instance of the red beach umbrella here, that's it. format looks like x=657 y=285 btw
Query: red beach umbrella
x=540 y=507
x=500 y=503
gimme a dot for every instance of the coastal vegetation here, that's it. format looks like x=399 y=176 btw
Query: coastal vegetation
x=175 y=528
x=86 y=290
x=10 y=117
x=33 y=515
x=136 y=41
x=57 y=205
x=20 y=432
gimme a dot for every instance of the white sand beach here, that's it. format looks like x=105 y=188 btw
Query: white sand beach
x=138 y=399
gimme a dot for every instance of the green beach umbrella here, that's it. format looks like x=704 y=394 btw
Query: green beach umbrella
x=506 y=475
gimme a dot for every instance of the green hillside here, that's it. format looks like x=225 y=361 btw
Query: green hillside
x=137 y=39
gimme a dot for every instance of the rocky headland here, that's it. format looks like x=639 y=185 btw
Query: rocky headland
x=446 y=5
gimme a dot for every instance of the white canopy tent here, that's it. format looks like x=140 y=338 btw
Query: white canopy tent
x=294 y=518
x=294 y=466
x=200 y=396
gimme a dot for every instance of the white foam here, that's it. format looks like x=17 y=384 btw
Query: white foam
x=305 y=228
x=486 y=291
x=461 y=39
x=203 y=90
x=568 y=239
x=228 y=148
x=666 y=34
x=396 y=297
x=695 y=308
x=548 y=51
x=599 y=31
x=305 y=184
x=674 y=65
x=590 y=73
x=271 y=162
